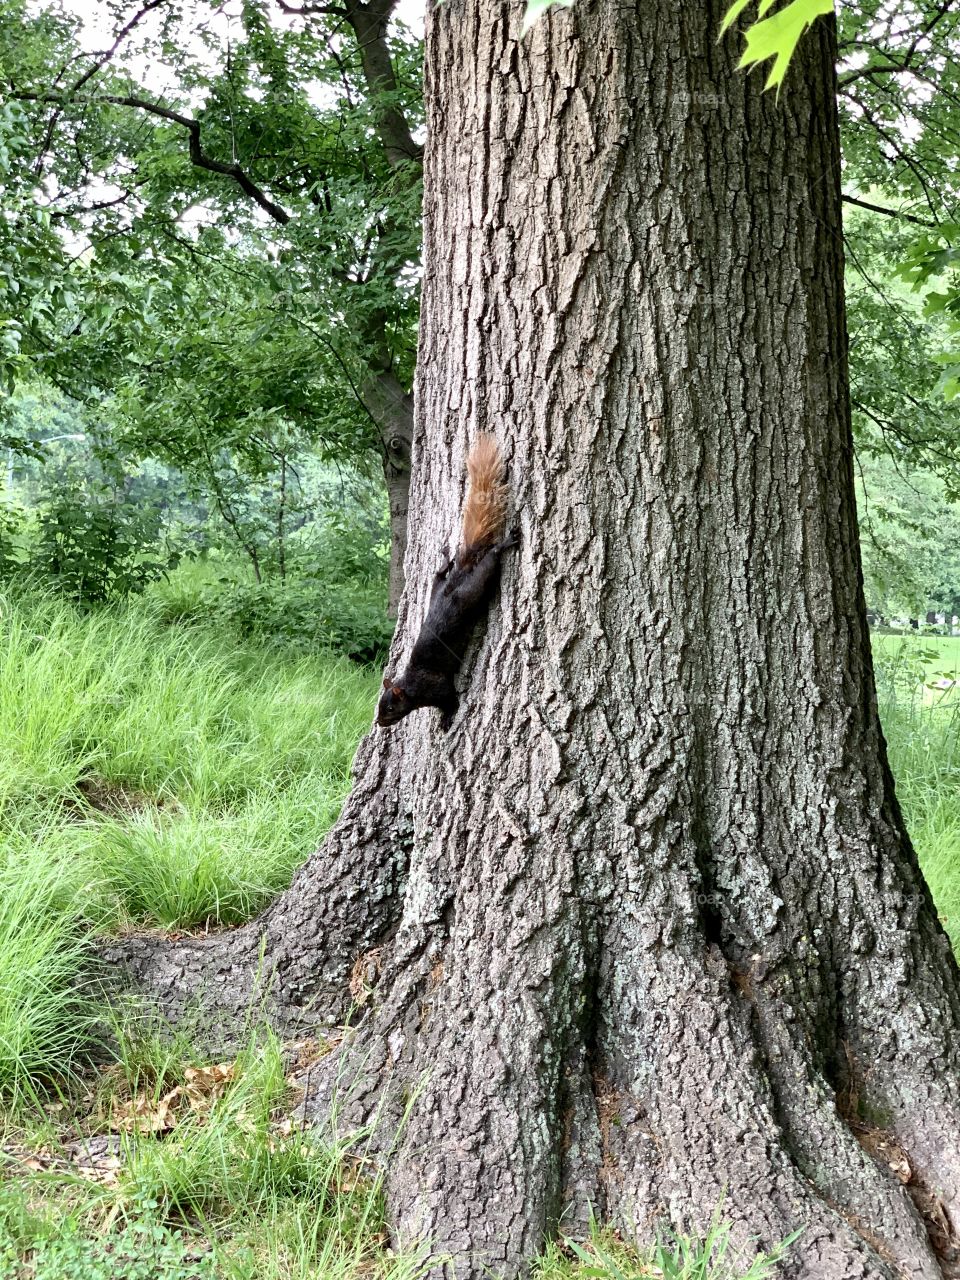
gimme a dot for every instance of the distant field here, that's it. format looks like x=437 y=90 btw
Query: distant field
x=926 y=662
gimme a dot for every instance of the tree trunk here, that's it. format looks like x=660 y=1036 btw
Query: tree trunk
x=645 y=928
x=392 y=409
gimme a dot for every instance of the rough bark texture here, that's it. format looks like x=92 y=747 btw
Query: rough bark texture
x=651 y=926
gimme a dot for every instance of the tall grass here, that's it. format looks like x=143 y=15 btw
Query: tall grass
x=184 y=776
x=47 y=1011
x=148 y=774
x=922 y=726
x=174 y=712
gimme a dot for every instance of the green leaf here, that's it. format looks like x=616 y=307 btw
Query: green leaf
x=777 y=36
x=732 y=14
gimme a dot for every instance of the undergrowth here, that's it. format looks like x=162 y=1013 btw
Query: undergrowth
x=158 y=1168
x=149 y=775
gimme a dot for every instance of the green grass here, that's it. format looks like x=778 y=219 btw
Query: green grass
x=919 y=666
x=225 y=1191
x=184 y=777
x=46 y=1014
x=151 y=775
x=921 y=722
x=674 y=1256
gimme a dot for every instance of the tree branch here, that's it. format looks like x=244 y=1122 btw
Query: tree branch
x=79 y=210
x=104 y=57
x=198 y=157
x=890 y=213
x=300 y=11
x=370 y=22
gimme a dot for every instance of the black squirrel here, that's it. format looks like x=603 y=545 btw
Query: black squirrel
x=462 y=587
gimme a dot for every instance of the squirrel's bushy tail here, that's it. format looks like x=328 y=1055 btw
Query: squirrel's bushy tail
x=485 y=510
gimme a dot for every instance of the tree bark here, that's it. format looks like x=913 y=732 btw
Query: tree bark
x=645 y=929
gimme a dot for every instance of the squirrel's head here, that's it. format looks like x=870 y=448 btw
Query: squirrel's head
x=394 y=704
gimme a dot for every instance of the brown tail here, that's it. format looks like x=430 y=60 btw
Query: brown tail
x=485 y=510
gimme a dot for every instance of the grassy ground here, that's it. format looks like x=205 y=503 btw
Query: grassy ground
x=920 y=707
x=160 y=775
x=924 y=665
x=148 y=775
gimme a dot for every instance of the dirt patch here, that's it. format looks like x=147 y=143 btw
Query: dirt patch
x=93 y=797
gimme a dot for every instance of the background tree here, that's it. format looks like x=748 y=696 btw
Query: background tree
x=298 y=136
x=322 y=183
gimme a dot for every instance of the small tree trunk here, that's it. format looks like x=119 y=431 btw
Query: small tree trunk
x=392 y=408
x=281 y=513
x=646 y=924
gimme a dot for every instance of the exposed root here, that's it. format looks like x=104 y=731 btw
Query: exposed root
x=294 y=963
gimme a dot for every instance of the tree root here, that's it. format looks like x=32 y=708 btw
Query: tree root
x=292 y=964
x=492 y=1140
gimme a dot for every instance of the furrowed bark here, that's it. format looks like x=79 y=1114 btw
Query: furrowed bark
x=652 y=931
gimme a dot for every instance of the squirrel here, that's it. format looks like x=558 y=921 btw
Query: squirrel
x=461 y=588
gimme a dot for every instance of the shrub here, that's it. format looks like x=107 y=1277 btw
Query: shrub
x=310 y=614
x=12 y=528
x=94 y=550
x=306 y=614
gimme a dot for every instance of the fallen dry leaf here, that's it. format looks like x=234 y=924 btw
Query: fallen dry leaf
x=148 y=1115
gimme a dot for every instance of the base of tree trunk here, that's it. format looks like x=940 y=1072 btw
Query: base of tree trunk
x=601 y=1074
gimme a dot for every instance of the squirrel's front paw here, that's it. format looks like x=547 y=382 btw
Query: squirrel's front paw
x=446 y=720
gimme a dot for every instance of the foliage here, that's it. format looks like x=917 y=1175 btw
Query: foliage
x=96 y=550
x=910 y=539
x=309 y=614
x=333 y=595
x=250 y=235
x=934 y=261
x=777 y=35
x=100 y=527
x=12 y=529
x=139 y=1250
x=899 y=86
x=899 y=411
